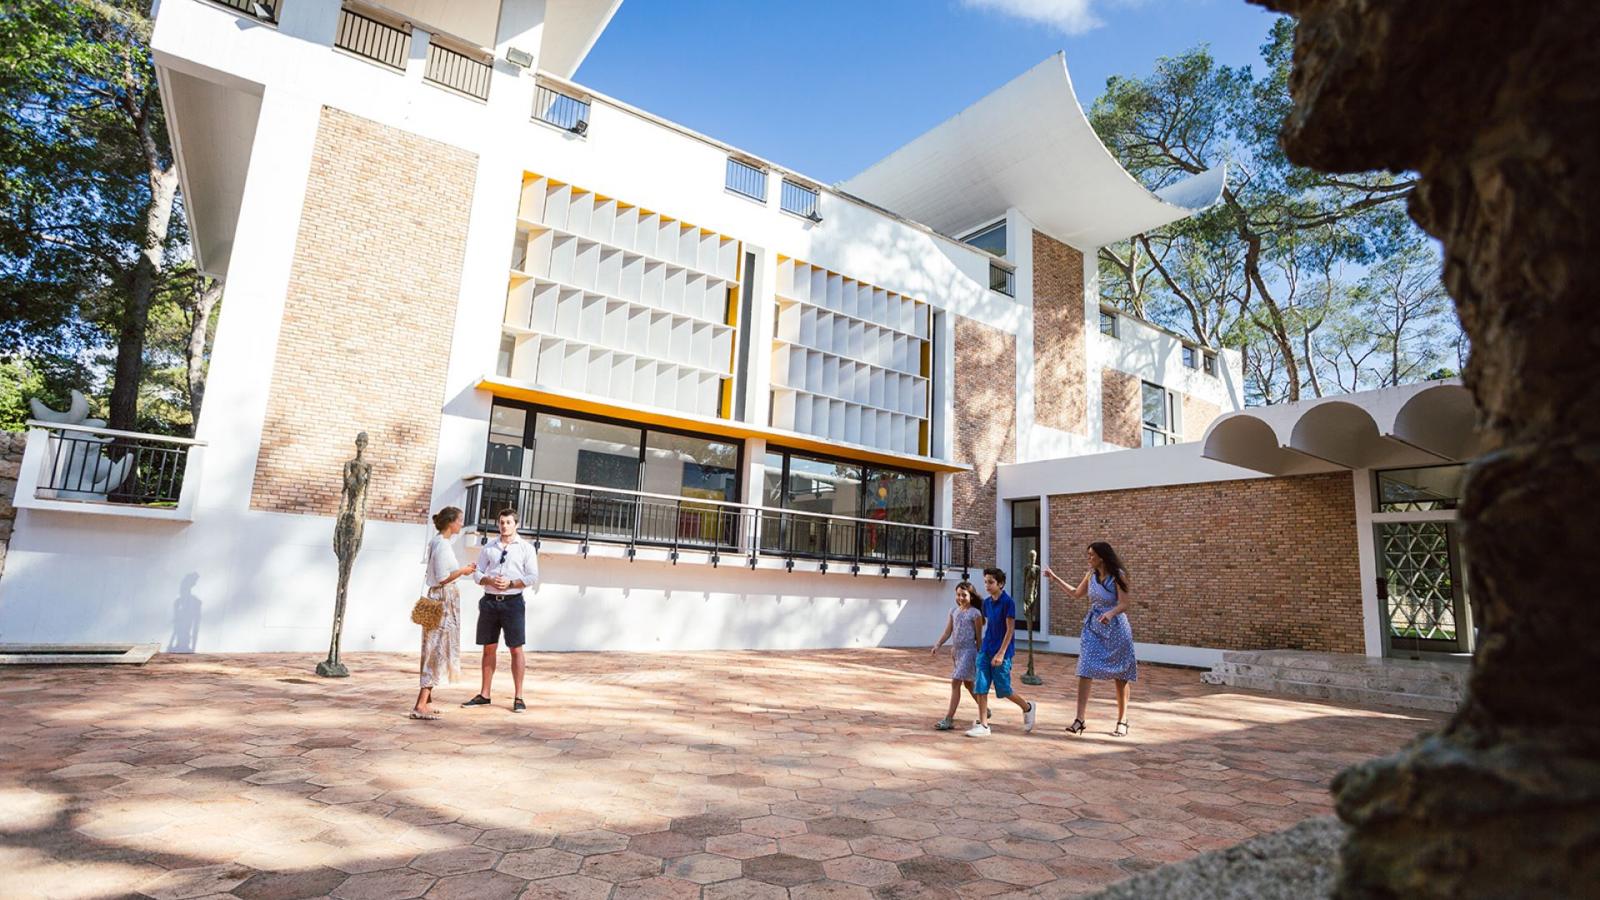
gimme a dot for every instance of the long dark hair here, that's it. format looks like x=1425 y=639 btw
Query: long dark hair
x=1113 y=563
x=973 y=600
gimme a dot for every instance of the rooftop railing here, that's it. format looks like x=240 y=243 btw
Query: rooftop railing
x=457 y=71
x=713 y=531
x=560 y=109
x=106 y=466
x=373 y=39
x=265 y=10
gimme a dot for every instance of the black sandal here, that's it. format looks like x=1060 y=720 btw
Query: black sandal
x=1077 y=727
x=1121 y=730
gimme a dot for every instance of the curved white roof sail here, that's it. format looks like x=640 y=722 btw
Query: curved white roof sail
x=571 y=28
x=1027 y=145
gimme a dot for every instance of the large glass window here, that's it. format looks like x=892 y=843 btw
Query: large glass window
x=1420 y=490
x=991 y=238
x=1160 y=424
x=588 y=472
x=805 y=483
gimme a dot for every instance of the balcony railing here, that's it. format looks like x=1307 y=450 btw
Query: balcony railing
x=1002 y=279
x=372 y=39
x=265 y=10
x=564 y=111
x=457 y=71
x=103 y=466
x=799 y=199
x=746 y=180
x=715 y=531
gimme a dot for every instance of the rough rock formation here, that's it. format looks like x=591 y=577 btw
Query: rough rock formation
x=1497 y=106
x=1294 y=864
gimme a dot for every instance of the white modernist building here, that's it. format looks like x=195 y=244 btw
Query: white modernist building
x=736 y=407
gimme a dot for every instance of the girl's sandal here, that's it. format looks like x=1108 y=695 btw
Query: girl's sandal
x=1121 y=730
x=422 y=715
x=1077 y=727
x=943 y=725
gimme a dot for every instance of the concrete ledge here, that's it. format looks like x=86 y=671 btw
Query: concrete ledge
x=76 y=654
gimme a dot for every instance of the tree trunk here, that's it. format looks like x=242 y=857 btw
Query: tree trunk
x=1505 y=800
x=195 y=359
x=136 y=312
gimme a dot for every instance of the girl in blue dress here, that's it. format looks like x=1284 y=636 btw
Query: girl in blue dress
x=961 y=630
x=1106 y=644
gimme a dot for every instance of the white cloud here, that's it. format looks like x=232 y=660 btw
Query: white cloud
x=1066 y=16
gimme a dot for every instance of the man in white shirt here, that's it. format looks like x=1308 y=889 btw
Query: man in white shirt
x=506 y=567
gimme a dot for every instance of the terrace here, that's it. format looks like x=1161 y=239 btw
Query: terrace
x=797 y=774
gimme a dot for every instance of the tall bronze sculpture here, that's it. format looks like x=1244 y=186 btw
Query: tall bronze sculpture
x=1494 y=105
x=346 y=544
x=1030 y=608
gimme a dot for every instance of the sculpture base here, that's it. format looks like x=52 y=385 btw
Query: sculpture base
x=1032 y=679
x=329 y=669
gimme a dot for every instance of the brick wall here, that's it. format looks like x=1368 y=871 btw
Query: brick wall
x=1198 y=414
x=1060 y=391
x=1268 y=563
x=985 y=425
x=1120 y=408
x=12 y=444
x=367 y=320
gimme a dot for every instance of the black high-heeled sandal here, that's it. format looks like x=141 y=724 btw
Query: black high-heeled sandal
x=1077 y=727
x=1121 y=730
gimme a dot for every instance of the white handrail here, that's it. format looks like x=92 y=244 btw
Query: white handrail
x=63 y=426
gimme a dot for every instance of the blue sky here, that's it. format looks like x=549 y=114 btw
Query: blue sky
x=828 y=87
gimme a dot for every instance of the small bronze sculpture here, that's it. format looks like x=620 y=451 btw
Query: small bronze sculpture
x=1030 y=608
x=346 y=544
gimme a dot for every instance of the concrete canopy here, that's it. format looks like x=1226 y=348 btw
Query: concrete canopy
x=571 y=28
x=1416 y=425
x=1029 y=146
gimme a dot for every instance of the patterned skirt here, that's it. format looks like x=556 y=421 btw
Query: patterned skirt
x=441 y=646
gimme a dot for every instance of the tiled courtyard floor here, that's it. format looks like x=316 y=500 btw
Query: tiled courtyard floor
x=721 y=775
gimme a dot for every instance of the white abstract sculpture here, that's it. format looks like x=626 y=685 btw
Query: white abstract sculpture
x=79 y=470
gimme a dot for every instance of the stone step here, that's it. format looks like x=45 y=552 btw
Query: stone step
x=1336 y=693
x=1433 y=683
x=76 y=654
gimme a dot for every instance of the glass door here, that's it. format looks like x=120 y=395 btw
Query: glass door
x=1421 y=589
x=1024 y=540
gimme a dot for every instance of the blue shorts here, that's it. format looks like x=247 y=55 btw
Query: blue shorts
x=989 y=673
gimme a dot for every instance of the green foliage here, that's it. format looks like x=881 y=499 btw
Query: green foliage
x=83 y=144
x=1268 y=267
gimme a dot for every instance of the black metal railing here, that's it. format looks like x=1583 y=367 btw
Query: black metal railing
x=372 y=39
x=457 y=71
x=265 y=10
x=798 y=199
x=1002 y=279
x=718 y=531
x=561 y=110
x=746 y=179
x=102 y=465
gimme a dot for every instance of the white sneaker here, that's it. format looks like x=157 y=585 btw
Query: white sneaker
x=978 y=729
x=1028 y=717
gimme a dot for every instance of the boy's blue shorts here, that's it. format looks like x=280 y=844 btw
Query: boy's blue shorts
x=989 y=673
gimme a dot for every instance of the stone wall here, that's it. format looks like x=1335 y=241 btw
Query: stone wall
x=11 y=446
x=367 y=321
x=1268 y=563
x=1060 y=386
x=1122 y=421
x=985 y=426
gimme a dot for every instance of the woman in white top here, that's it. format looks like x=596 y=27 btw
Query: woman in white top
x=441 y=646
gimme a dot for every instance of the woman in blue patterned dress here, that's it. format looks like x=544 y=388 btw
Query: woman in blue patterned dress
x=1106 y=644
x=961 y=630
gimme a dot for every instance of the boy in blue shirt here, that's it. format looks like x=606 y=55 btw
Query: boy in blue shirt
x=994 y=656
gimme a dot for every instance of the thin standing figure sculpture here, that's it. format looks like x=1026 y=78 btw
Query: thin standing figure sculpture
x=1030 y=608
x=346 y=544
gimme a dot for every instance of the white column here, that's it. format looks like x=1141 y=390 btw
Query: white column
x=1367 y=556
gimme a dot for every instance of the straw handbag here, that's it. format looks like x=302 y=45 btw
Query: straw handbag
x=427 y=611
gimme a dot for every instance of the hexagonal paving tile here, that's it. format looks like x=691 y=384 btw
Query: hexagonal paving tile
x=591 y=842
x=456 y=861
x=621 y=866
x=814 y=846
x=389 y=884
x=782 y=869
x=861 y=870
x=705 y=868
x=545 y=862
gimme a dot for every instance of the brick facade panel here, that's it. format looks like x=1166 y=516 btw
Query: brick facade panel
x=1198 y=415
x=985 y=425
x=1262 y=564
x=367 y=320
x=1060 y=392
x=1122 y=420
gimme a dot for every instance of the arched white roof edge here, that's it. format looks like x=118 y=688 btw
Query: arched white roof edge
x=1028 y=145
